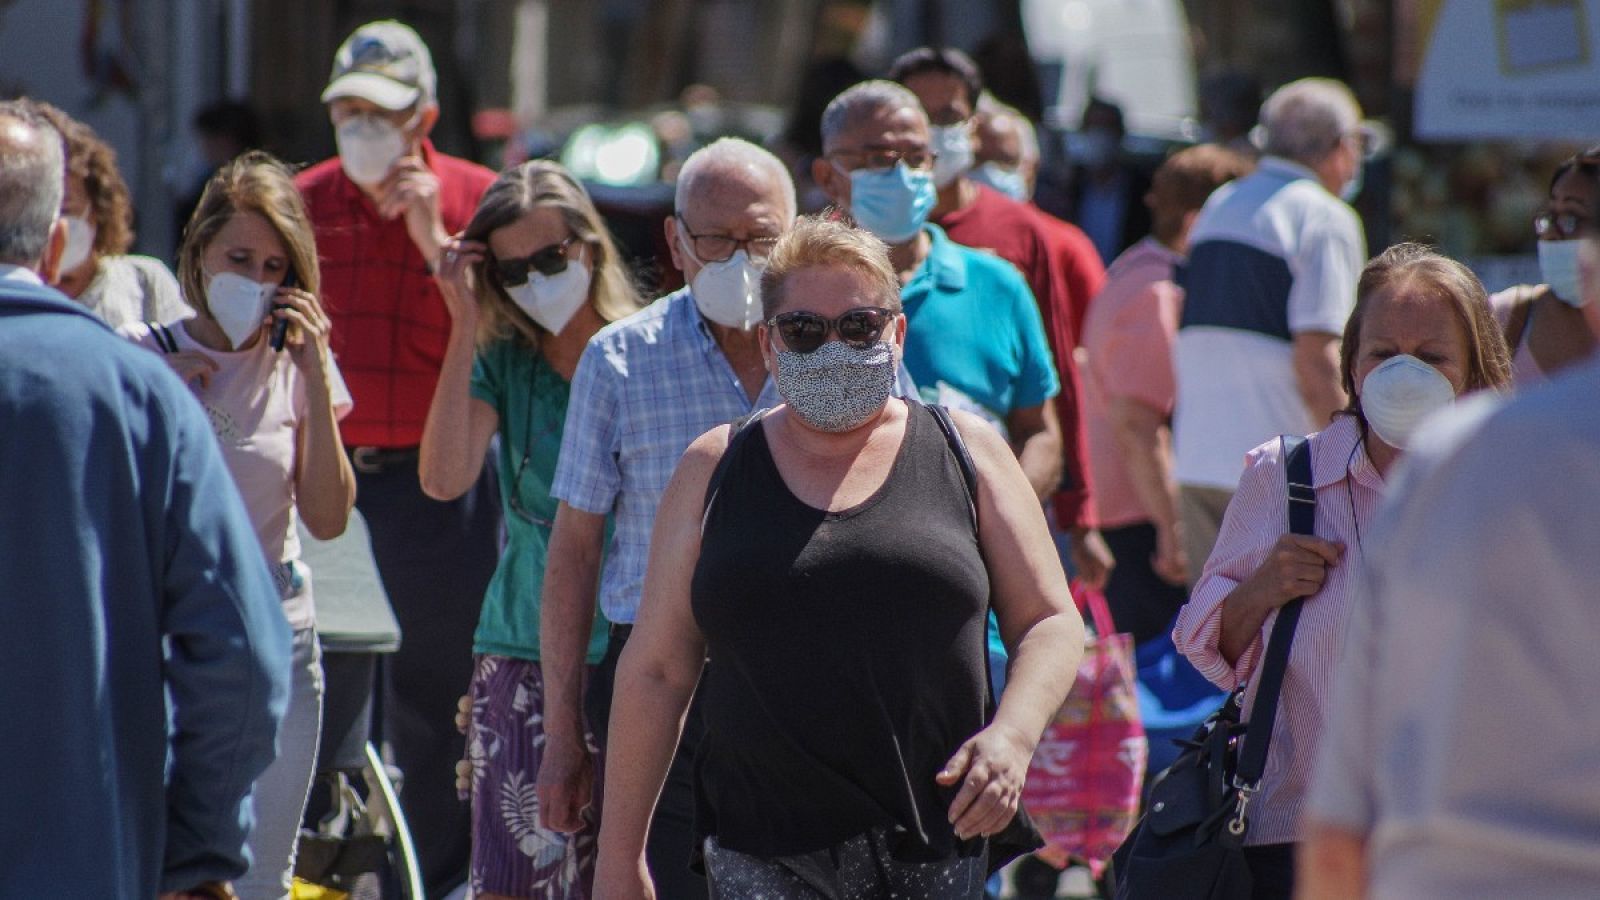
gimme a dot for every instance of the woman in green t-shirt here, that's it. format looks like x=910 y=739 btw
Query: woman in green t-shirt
x=531 y=279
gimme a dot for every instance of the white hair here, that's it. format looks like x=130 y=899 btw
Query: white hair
x=1027 y=137
x=862 y=100
x=32 y=179
x=730 y=153
x=1304 y=120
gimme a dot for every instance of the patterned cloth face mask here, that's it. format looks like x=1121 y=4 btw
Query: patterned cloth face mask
x=836 y=387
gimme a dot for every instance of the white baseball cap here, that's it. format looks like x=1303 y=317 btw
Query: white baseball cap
x=384 y=62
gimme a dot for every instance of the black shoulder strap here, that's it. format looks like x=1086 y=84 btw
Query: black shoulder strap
x=741 y=430
x=1264 y=712
x=958 y=446
x=164 y=337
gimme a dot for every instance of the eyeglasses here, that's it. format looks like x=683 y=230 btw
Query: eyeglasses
x=1559 y=228
x=547 y=261
x=879 y=158
x=715 y=248
x=805 y=332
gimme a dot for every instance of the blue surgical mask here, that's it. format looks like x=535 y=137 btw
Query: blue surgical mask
x=1008 y=181
x=892 y=203
x=1558 y=265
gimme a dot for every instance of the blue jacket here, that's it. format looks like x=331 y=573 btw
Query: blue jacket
x=129 y=576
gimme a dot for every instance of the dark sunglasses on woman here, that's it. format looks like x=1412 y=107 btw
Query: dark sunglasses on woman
x=804 y=332
x=547 y=261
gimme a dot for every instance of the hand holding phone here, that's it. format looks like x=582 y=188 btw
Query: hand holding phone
x=280 y=327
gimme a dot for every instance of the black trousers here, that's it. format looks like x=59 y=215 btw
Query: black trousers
x=435 y=560
x=671 y=843
x=1141 y=603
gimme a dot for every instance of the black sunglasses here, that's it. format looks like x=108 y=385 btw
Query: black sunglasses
x=547 y=261
x=804 y=331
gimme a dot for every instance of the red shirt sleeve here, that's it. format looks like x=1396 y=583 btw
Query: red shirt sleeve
x=1065 y=284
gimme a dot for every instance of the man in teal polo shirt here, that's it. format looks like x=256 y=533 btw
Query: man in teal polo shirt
x=975 y=340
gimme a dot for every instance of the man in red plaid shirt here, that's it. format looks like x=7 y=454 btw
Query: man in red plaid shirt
x=381 y=209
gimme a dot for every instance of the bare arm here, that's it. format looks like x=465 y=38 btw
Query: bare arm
x=456 y=435
x=567 y=610
x=459 y=426
x=1036 y=440
x=1145 y=442
x=1316 y=370
x=1039 y=624
x=656 y=677
x=1332 y=864
x=324 y=484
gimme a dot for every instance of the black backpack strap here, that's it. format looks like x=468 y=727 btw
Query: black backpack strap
x=958 y=446
x=741 y=431
x=164 y=337
x=1264 y=712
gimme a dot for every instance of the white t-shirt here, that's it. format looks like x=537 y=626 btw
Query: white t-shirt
x=256 y=401
x=1271 y=255
x=129 y=289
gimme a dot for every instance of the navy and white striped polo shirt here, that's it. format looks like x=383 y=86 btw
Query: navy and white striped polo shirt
x=1271 y=255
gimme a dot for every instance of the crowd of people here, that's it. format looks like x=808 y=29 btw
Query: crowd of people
x=760 y=588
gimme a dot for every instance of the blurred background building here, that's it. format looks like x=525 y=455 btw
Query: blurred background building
x=1483 y=95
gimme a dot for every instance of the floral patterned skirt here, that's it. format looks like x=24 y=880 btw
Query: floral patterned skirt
x=511 y=853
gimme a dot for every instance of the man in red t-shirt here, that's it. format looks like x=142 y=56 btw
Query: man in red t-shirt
x=381 y=210
x=1058 y=261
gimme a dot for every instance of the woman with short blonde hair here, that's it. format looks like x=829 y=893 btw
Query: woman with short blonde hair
x=837 y=558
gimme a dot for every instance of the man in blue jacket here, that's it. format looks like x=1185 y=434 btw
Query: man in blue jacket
x=144 y=659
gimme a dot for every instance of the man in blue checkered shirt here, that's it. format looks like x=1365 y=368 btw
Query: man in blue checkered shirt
x=645 y=388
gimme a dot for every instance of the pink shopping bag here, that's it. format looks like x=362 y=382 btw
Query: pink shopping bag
x=1084 y=782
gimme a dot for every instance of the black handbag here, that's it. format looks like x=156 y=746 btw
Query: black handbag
x=1189 y=845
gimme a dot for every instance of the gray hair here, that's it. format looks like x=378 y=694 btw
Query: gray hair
x=859 y=101
x=1027 y=136
x=728 y=153
x=1304 y=120
x=32 y=179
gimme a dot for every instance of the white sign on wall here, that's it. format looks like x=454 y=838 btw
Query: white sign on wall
x=1508 y=69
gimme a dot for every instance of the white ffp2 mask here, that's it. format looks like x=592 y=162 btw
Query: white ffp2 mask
x=238 y=304
x=552 y=300
x=80 y=241
x=729 y=292
x=952 y=146
x=368 y=146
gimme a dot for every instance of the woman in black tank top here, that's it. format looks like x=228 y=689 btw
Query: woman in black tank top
x=836 y=561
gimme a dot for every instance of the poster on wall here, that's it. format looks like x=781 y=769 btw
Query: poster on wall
x=1507 y=69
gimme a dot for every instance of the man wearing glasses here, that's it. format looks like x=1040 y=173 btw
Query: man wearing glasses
x=1271 y=278
x=381 y=209
x=1060 y=263
x=646 y=387
x=975 y=340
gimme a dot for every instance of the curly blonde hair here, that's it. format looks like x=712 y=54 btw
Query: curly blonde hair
x=93 y=160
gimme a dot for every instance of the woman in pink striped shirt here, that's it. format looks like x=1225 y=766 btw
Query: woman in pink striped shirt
x=1421 y=334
